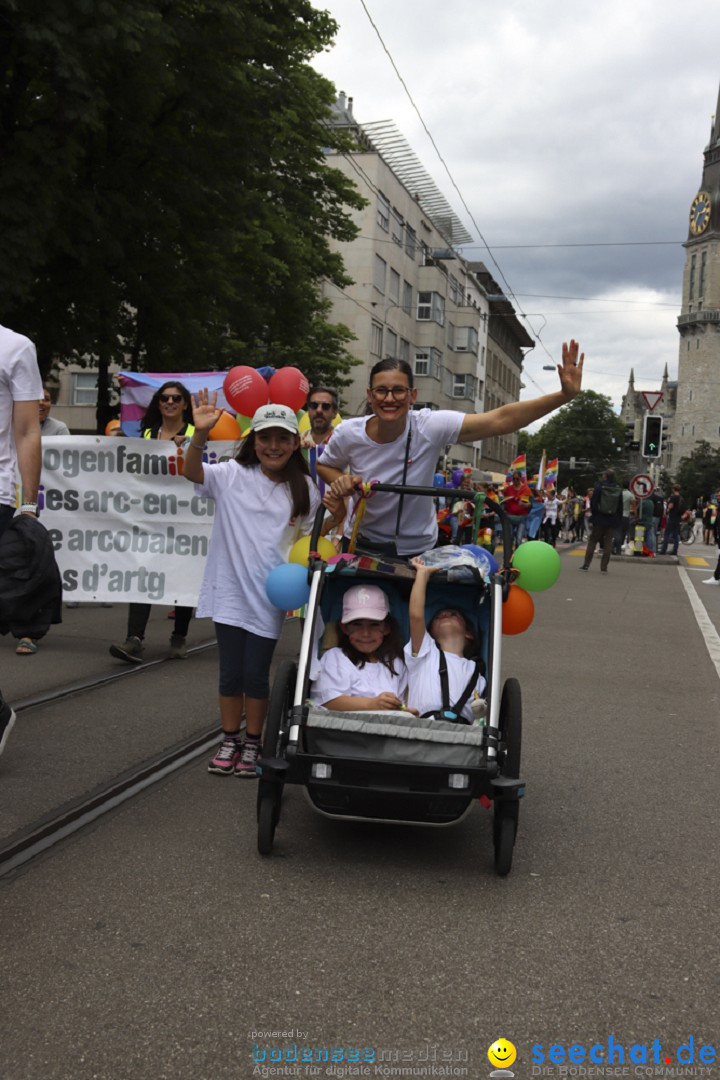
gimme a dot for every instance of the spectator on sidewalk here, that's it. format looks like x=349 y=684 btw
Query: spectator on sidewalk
x=48 y=424
x=675 y=510
x=605 y=516
x=715 y=579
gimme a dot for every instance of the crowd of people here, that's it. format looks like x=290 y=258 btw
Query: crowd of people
x=266 y=496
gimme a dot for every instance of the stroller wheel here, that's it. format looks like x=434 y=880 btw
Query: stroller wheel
x=281 y=696
x=504 y=836
x=267 y=813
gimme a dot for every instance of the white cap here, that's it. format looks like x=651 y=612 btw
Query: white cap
x=269 y=416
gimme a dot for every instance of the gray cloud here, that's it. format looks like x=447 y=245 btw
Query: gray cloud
x=561 y=123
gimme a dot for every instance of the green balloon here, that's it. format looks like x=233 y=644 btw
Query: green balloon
x=538 y=565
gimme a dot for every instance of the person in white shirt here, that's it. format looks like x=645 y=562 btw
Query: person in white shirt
x=396 y=445
x=20 y=391
x=366 y=671
x=264 y=501
x=442 y=678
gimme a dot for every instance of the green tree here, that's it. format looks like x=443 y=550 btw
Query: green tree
x=585 y=429
x=169 y=201
x=699 y=475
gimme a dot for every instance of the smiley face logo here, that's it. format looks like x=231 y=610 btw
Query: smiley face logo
x=501 y=1054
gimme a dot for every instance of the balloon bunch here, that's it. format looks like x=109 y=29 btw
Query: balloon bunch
x=287 y=585
x=538 y=566
x=246 y=389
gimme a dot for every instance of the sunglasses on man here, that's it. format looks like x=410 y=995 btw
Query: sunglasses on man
x=324 y=405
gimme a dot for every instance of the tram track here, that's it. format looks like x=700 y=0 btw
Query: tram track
x=61 y=822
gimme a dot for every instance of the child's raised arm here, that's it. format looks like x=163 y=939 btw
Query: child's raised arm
x=417 y=603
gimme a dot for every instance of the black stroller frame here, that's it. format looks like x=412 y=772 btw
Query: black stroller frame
x=342 y=781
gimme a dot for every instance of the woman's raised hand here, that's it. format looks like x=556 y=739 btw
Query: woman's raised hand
x=205 y=411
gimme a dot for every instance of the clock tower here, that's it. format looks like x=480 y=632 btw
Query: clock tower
x=698 y=393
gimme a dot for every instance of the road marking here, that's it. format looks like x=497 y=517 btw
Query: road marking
x=695 y=560
x=579 y=552
x=708 y=631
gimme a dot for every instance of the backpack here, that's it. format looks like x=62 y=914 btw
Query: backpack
x=609 y=499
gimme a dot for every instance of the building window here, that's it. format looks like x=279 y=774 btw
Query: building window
x=450 y=335
x=466 y=339
x=84 y=388
x=410 y=241
x=426 y=405
x=428 y=362
x=463 y=386
x=701 y=283
x=456 y=293
x=431 y=307
x=379 y=274
x=383 y=212
x=404 y=350
x=691 y=291
x=376 y=339
x=391 y=343
x=396 y=228
x=407 y=301
x=394 y=286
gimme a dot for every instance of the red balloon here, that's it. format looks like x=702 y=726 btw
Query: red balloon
x=245 y=390
x=517 y=611
x=288 y=386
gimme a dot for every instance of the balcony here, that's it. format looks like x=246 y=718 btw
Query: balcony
x=698 y=318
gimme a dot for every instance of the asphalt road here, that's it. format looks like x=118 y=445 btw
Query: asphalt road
x=159 y=944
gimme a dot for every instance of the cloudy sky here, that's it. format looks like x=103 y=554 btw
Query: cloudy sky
x=561 y=123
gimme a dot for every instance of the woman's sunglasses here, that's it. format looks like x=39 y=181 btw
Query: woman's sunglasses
x=170 y=397
x=324 y=405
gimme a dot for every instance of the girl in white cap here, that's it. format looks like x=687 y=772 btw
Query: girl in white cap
x=366 y=671
x=264 y=501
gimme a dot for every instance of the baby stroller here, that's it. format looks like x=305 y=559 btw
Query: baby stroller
x=392 y=766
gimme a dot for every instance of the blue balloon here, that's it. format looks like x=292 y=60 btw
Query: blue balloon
x=485 y=556
x=439 y=480
x=287 y=586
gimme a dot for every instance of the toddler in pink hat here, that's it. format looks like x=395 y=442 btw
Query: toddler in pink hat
x=366 y=671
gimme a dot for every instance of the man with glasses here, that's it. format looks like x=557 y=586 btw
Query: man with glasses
x=322 y=407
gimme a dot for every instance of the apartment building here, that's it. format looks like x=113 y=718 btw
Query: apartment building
x=414 y=296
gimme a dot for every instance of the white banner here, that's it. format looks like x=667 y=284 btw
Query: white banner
x=125 y=524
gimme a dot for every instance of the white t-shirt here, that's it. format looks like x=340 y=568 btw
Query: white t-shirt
x=425 y=689
x=337 y=677
x=352 y=447
x=19 y=381
x=252 y=533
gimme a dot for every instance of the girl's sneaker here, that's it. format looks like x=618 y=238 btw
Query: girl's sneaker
x=251 y=751
x=226 y=757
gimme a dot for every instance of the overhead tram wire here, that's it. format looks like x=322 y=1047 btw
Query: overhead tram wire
x=451 y=178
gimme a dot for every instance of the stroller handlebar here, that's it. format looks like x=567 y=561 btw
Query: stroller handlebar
x=432 y=492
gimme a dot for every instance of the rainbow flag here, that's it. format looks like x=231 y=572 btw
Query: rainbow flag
x=518 y=465
x=551 y=473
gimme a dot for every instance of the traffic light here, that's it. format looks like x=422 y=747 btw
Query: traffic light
x=633 y=431
x=664 y=440
x=652 y=436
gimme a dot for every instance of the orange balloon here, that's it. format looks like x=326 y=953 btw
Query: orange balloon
x=112 y=425
x=225 y=428
x=517 y=611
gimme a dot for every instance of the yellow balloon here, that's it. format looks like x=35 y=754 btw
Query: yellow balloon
x=300 y=551
x=304 y=422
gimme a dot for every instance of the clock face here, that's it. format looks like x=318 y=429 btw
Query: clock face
x=700 y=213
